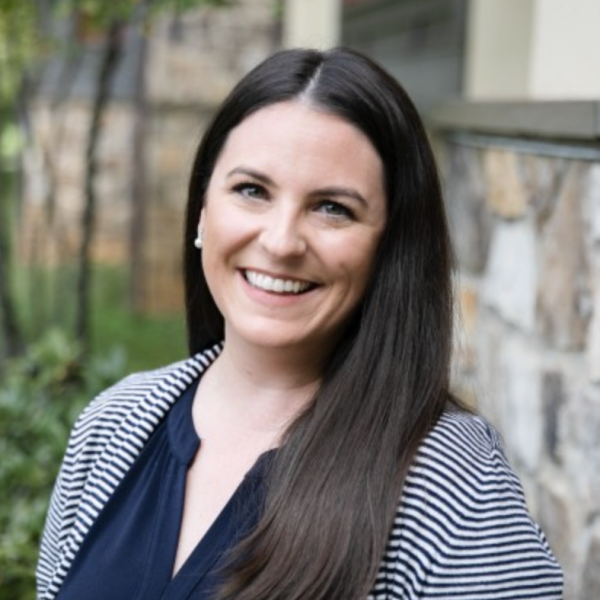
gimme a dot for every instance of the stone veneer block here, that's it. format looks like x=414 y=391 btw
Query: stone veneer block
x=590 y=587
x=563 y=276
x=593 y=195
x=542 y=177
x=581 y=447
x=465 y=323
x=505 y=195
x=562 y=522
x=510 y=281
x=523 y=424
x=489 y=376
x=593 y=340
x=553 y=395
x=465 y=193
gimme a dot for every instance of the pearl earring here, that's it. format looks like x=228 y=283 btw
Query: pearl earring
x=198 y=240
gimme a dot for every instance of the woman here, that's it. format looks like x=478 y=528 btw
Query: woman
x=333 y=462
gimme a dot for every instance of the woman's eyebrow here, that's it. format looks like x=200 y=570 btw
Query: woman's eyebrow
x=247 y=171
x=341 y=191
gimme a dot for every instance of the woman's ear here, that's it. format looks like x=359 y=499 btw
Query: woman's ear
x=198 y=241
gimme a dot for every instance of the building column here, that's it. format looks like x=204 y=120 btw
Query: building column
x=312 y=23
x=533 y=50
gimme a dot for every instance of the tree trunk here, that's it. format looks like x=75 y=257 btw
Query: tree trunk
x=10 y=330
x=137 y=227
x=110 y=59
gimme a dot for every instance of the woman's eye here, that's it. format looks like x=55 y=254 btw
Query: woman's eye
x=250 y=190
x=334 y=209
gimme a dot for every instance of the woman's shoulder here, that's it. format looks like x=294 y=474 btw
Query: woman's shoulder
x=462 y=527
x=465 y=438
x=462 y=459
x=142 y=396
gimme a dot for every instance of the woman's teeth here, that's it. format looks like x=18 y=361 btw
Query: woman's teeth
x=272 y=284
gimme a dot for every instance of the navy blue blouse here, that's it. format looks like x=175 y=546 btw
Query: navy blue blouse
x=130 y=550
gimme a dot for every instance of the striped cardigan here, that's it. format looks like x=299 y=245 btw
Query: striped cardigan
x=462 y=529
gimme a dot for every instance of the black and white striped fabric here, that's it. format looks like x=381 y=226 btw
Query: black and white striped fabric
x=462 y=529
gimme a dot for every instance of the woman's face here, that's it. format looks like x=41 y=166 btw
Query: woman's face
x=292 y=218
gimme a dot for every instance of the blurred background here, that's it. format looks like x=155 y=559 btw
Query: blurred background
x=101 y=107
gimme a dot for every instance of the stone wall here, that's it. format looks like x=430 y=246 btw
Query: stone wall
x=525 y=216
x=193 y=60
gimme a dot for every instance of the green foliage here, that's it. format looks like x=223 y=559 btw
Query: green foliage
x=148 y=341
x=102 y=12
x=44 y=295
x=23 y=42
x=41 y=394
x=19 y=43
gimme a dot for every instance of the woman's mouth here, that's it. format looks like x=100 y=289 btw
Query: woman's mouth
x=276 y=285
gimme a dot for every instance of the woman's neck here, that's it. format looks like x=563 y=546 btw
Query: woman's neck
x=263 y=388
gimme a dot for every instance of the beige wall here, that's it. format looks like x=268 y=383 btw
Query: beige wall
x=565 y=57
x=312 y=23
x=533 y=49
x=498 y=42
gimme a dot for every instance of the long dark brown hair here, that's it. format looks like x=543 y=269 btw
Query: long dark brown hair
x=335 y=484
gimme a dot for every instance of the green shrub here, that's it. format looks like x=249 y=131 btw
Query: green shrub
x=40 y=397
x=45 y=295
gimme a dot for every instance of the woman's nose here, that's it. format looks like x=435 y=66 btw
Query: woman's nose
x=282 y=234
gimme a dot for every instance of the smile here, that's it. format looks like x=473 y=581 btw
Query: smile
x=275 y=284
